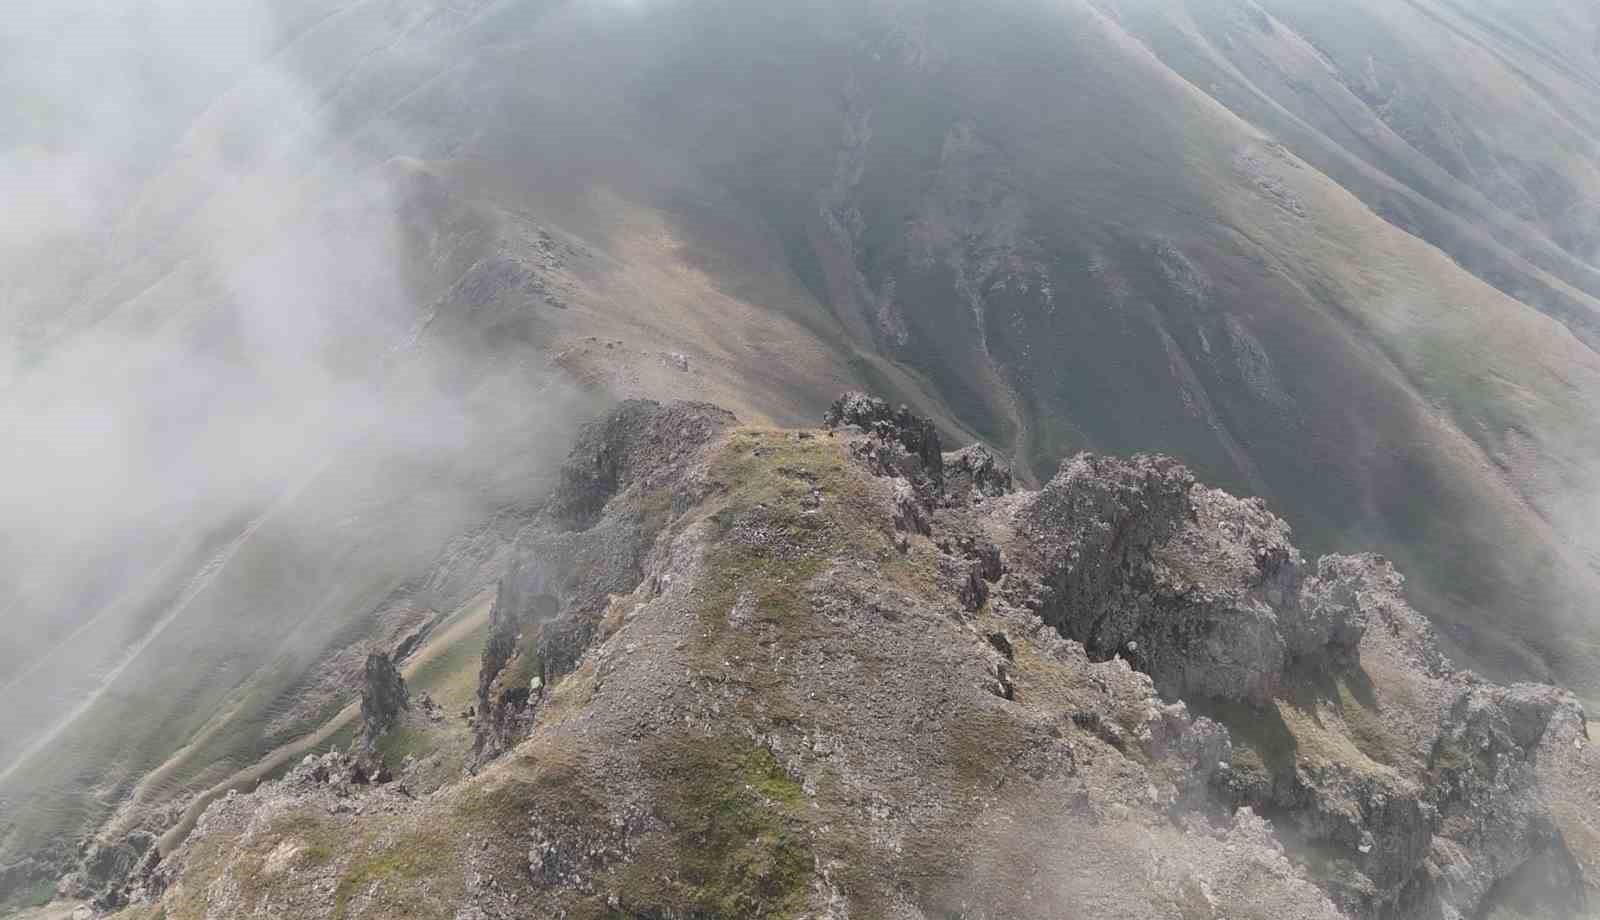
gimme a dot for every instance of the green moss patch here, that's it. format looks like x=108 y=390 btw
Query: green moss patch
x=319 y=838
x=1263 y=744
x=1324 y=718
x=414 y=875
x=982 y=746
x=789 y=509
x=1365 y=723
x=1453 y=756
x=402 y=741
x=544 y=779
x=655 y=513
x=207 y=860
x=736 y=842
x=526 y=664
x=451 y=677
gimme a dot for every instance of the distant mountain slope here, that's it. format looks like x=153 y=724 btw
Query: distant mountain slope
x=1051 y=215
x=322 y=329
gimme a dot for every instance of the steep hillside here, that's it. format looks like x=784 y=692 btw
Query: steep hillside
x=336 y=280
x=841 y=673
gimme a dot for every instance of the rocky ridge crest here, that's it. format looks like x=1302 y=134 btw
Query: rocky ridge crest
x=844 y=673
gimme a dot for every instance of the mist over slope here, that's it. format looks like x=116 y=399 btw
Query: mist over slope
x=302 y=298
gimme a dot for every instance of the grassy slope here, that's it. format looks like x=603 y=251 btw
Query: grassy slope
x=1354 y=89
x=300 y=597
x=445 y=668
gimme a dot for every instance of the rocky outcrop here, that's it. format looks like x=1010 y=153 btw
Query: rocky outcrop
x=523 y=602
x=974 y=473
x=630 y=463
x=338 y=772
x=1206 y=594
x=1416 y=792
x=1201 y=590
x=778 y=675
x=898 y=442
x=110 y=874
x=385 y=701
x=1409 y=796
x=1335 y=604
x=639 y=439
x=383 y=695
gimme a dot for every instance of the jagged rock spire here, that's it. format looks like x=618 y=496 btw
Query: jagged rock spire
x=383 y=695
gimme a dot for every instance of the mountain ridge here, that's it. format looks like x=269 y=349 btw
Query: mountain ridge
x=675 y=739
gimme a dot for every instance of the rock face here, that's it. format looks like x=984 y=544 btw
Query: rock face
x=112 y=873
x=546 y=611
x=1413 y=786
x=385 y=700
x=383 y=695
x=897 y=441
x=1203 y=591
x=638 y=440
x=743 y=672
x=975 y=472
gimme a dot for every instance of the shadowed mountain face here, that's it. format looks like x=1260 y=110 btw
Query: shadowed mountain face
x=332 y=280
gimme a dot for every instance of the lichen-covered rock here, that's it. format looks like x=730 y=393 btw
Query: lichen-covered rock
x=385 y=700
x=1204 y=753
x=383 y=694
x=910 y=515
x=899 y=442
x=1127 y=569
x=974 y=473
x=1484 y=764
x=638 y=440
x=1331 y=602
x=1414 y=785
x=1203 y=591
x=525 y=600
